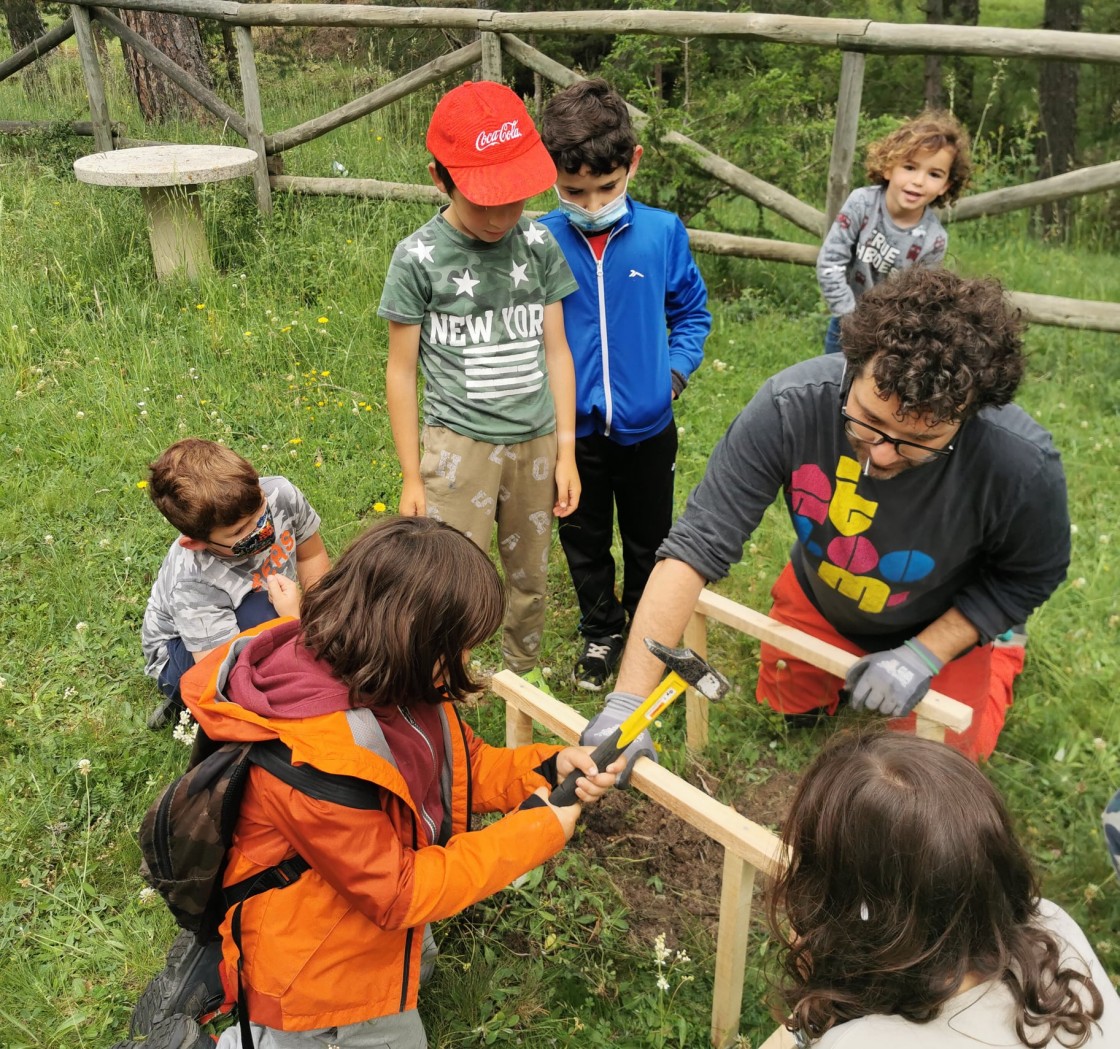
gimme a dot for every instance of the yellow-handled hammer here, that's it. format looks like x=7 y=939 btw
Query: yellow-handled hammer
x=686 y=669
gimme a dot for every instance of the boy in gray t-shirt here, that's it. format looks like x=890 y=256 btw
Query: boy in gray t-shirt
x=246 y=542
x=889 y=226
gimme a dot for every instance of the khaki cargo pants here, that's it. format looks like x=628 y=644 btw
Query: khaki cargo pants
x=472 y=485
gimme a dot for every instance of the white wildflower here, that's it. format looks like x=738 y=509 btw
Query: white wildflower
x=1104 y=540
x=48 y=539
x=660 y=951
x=147 y=895
x=84 y=766
x=186 y=730
x=3 y=683
x=718 y=365
x=79 y=415
x=662 y=983
x=81 y=627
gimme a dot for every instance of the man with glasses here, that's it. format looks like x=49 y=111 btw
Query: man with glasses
x=930 y=512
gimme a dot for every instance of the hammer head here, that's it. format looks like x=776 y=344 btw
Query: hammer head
x=708 y=681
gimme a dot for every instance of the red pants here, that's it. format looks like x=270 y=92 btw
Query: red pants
x=982 y=678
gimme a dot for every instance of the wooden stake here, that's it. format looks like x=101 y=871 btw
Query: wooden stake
x=491 y=57
x=254 y=117
x=844 y=137
x=696 y=704
x=95 y=88
x=731 y=949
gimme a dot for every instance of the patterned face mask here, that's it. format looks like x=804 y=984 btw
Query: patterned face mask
x=595 y=221
x=258 y=540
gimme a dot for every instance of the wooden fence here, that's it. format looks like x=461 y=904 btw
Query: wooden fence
x=496 y=30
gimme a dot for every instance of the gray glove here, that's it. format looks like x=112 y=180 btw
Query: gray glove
x=619 y=706
x=892 y=682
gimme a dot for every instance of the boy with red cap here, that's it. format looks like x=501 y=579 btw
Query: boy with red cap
x=473 y=298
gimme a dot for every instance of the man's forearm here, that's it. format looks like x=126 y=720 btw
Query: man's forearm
x=949 y=635
x=668 y=601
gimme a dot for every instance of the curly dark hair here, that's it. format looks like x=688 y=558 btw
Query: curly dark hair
x=588 y=124
x=905 y=876
x=406 y=598
x=945 y=346
x=926 y=133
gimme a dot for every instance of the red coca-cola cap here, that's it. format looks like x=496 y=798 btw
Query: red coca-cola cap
x=483 y=134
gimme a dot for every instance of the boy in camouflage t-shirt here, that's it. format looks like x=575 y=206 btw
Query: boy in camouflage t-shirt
x=473 y=298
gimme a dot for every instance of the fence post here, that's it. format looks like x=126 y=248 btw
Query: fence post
x=844 y=137
x=731 y=948
x=254 y=117
x=91 y=71
x=696 y=705
x=491 y=56
x=519 y=727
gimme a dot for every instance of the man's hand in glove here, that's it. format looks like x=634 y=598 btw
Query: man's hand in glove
x=619 y=706
x=892 y=682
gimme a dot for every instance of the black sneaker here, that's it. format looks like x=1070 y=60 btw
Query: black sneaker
x=596 y=665
x=166 y=712
x=172 y=1032
x=190 y=984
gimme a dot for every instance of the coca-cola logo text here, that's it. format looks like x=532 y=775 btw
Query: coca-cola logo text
x=506 y=133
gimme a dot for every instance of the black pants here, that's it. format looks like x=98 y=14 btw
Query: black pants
x=638 y=478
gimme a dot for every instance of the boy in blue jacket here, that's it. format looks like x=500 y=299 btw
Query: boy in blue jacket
x=636 y=328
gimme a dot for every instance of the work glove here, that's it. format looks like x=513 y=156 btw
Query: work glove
x=619 y=706
x=892 y=682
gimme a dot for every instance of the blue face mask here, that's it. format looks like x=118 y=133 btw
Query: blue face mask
x=595 y=221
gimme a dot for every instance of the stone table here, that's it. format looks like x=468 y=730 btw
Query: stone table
x=168 y=178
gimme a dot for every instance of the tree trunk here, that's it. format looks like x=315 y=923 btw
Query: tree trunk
x=1057 y=103
x=962 y=12
x=25 y=27
x=177 y=37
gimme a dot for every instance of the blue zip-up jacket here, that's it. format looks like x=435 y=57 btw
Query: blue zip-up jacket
x=640 y=314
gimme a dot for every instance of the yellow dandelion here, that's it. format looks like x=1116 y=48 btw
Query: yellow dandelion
x=247 y=334
x=286 y=328
x=378 y=508
x=200 y=306
x=368 y=408
x=141 y=484
x=324 y=320
x=324 y=374
x=296 y=440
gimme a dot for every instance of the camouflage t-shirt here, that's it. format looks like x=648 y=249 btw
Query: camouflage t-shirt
x=480 y=308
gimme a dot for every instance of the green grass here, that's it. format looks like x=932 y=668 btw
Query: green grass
x=280 y=354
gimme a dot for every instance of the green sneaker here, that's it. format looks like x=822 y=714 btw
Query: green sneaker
x=536 y=678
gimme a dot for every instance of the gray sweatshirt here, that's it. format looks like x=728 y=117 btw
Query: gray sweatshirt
x=864 y=246
x=985 y=530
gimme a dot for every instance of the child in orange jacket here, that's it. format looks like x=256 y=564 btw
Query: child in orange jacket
x=365 y=685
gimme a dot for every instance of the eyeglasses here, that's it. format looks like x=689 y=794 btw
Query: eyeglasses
x=865 y=433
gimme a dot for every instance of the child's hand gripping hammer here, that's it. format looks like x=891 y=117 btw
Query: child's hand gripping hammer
x=686 y=669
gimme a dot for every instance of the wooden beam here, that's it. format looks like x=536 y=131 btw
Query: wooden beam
x=491 y=56
x=254 y=115
x=713 y=243
x=358 y=187
x=426 y=74
x=758 y=190
x=1094 y=179
x=850 y=34
x=731 y=949
x=935 y=707
x=844 y=135
x=696 y=703
x=1068 y=313
x=31 y=127
x=761 y=848
x=174 y=72
x=36 y=49
x=91 y=72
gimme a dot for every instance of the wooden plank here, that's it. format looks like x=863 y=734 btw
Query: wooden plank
x=519 y=727
x=935 y=707
x=36 y=49
x=254 y=116
x=174 y=72
x=696 y=704
x=761 y=848
x=491 y=57
x=731 y=949
x=1094 y=179
x=844 y=135
x=780 y=1039
x=359 y=107
x=91 y=72
x=762 y=192
x=847 y=33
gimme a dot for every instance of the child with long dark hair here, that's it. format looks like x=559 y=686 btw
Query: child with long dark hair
x=365 y=686
x=909 y=916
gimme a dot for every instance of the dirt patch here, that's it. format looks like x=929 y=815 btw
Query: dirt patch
x=669 y=872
